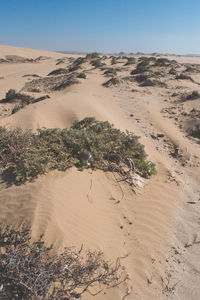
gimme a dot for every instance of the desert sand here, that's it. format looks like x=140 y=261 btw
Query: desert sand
x=155 y=228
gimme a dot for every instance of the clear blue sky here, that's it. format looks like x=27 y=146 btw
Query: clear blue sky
x=102 y=25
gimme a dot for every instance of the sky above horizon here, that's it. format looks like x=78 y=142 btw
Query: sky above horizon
x=171 y=26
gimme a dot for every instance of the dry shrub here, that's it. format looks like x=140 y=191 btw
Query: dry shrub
x=30 y=270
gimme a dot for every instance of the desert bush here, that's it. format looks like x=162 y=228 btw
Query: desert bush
x=21 y=105
x=58 y=72
x=183 y=76
x=130 y=61
x=30 y=270
x=162 y=62
x=87 y=143
x=172 y=71
x=79 y=61
x=142 y=67
x=64 y=83
x=13 y=96
x=147 y=59
x=112 y=81
x=141 y=78
x=113 y=60
x=35 y=90
x=148 y=82
x=92 y=55
x=192 y=96
x=82 y=75
x=97 y=63
x=73 y=68
x=17 y=107
x=10 y=93
x=110 y=72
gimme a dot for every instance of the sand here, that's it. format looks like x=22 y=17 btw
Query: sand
x=156 y=229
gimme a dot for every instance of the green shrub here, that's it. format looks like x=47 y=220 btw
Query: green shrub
x=97 y=63
x=92 y=55
x=10 y=93
x=33 y=271
x=17 y=107
x=79 y=61
x=162 y=62
x=110 y=72
x=142 y=67
x=82 y=75
x=172 y=71
x=113 y=81
x=192 y=96
x=35 y=90
x=59 y=71
x=87 y=143
x=183 y=76
x=113 y=60
x=130 y=61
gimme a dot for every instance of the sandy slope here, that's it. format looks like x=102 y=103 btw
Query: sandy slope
x=90 y=208
x=24 y=52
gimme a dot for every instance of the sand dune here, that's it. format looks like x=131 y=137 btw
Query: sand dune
x=90 y=207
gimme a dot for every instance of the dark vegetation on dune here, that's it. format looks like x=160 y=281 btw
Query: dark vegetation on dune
x=86 y=144
x=191 y=96
x=113 y=81
x=51 y=83
x=32 y=271
x=21 y=99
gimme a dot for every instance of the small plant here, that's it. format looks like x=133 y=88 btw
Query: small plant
x=193 y=96
x=82 y=75
x=113 y=60
x=73 y=68
x=35 y=90
x=142 y=67
x=30 y=270
x=92 y=55
x=184 y=76
x=17 y=108
x=112 y=81
x=130 y=61
x=172 y=71
x=79 y=61
x=162 y=62
x=13 y=96
x=97 y=63
x=110 y=72
x=10 y=93
x=58 y=72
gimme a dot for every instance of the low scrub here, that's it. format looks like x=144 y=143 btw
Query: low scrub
x=12 y=96
x=92 y=55
x=113 y=60
x=130 y=61
x=110 y=72
x=192 y=96
x=87 y=143
x=142 y=67
x=172 y=71
x=58 y=72
x=113 y=81
x=183 y=76
x=97 y=63
x=82 y=75
x=30 y=270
